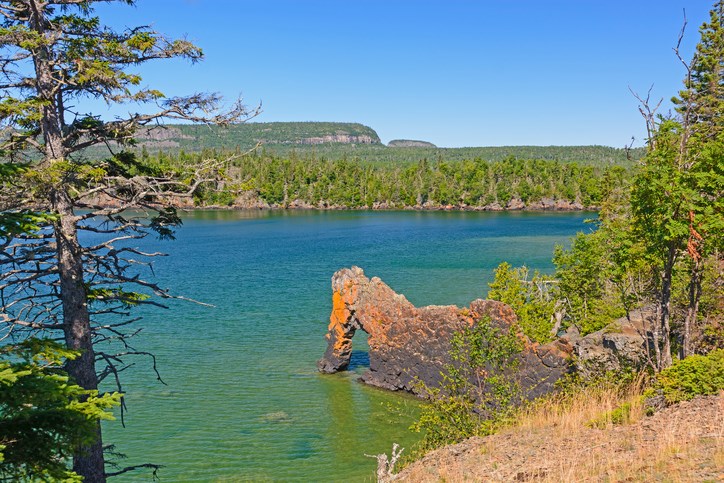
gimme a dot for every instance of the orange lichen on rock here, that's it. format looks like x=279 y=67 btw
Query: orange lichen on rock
x=337 y=322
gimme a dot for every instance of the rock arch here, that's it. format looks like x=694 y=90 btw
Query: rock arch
x=409 y=343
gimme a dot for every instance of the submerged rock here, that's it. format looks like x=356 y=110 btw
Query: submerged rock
x=276 y=417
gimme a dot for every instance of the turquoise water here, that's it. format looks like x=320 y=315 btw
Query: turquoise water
x=243 y=400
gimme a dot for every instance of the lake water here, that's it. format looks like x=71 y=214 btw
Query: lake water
x=243 y=400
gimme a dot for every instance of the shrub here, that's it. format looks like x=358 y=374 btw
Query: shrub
x=619 y=415
x=530 y=299
x=478 y=389
x=697 y=375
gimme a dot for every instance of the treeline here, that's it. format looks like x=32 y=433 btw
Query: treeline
x=512 y=183
x=381 y=154
x=199 y=140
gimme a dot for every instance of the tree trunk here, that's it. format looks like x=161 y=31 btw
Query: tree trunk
x=88 y=461
x=693 y=308
x=656 y=333
x=665 y=307
x=45 y=86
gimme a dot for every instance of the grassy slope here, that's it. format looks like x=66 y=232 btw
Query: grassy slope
x=556 y=442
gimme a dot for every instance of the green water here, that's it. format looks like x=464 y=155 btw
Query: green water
x=243 y=400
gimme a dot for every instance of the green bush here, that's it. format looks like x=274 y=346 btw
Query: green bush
x=696 y=375
x=619 y=415
x=478 y=391
x=531 y=300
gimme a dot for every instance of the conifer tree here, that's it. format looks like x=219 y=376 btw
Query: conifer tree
x=677 y=195
x=701 y=106
x=54 y=54
x=43 y=415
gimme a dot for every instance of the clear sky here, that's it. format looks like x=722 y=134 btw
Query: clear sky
x=455 y=72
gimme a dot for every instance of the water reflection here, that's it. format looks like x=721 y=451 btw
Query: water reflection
x=343 y=427
x=359 y=360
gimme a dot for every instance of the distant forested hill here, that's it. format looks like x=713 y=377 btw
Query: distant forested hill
x=245 y=136
x=260 y=180
x=352 y=141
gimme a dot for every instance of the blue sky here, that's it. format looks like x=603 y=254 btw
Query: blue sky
x=455 y=73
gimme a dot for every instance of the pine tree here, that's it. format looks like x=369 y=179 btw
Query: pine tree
x=677 y=195
x=55 y=54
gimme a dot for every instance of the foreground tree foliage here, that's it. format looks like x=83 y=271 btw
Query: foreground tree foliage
x=677 y=198
x=54 y=54
x=44 y=417
x=658 y=238
x=657 y=246
x=657 y=243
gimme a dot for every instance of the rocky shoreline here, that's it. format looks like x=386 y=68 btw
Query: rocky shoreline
x=515 y=204
x=246 y=202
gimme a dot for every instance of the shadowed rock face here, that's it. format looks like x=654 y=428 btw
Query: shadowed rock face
x=409 y=343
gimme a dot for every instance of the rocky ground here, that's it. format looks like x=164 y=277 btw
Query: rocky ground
x=682 y=443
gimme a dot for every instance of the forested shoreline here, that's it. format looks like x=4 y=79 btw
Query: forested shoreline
x=259 y=180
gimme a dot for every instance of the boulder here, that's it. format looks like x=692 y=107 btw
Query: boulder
x=515 y=204
x=620 y=345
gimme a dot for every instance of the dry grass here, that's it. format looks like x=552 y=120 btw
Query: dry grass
x=570 y=411
x=554 y=441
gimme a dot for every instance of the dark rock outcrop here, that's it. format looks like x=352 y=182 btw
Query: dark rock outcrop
x=409 y=343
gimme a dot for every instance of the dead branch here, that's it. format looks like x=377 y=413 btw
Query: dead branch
x=127 y=469
x=385 y=466
x=648 y=113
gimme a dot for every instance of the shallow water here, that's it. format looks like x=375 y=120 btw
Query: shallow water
x=243 y=400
